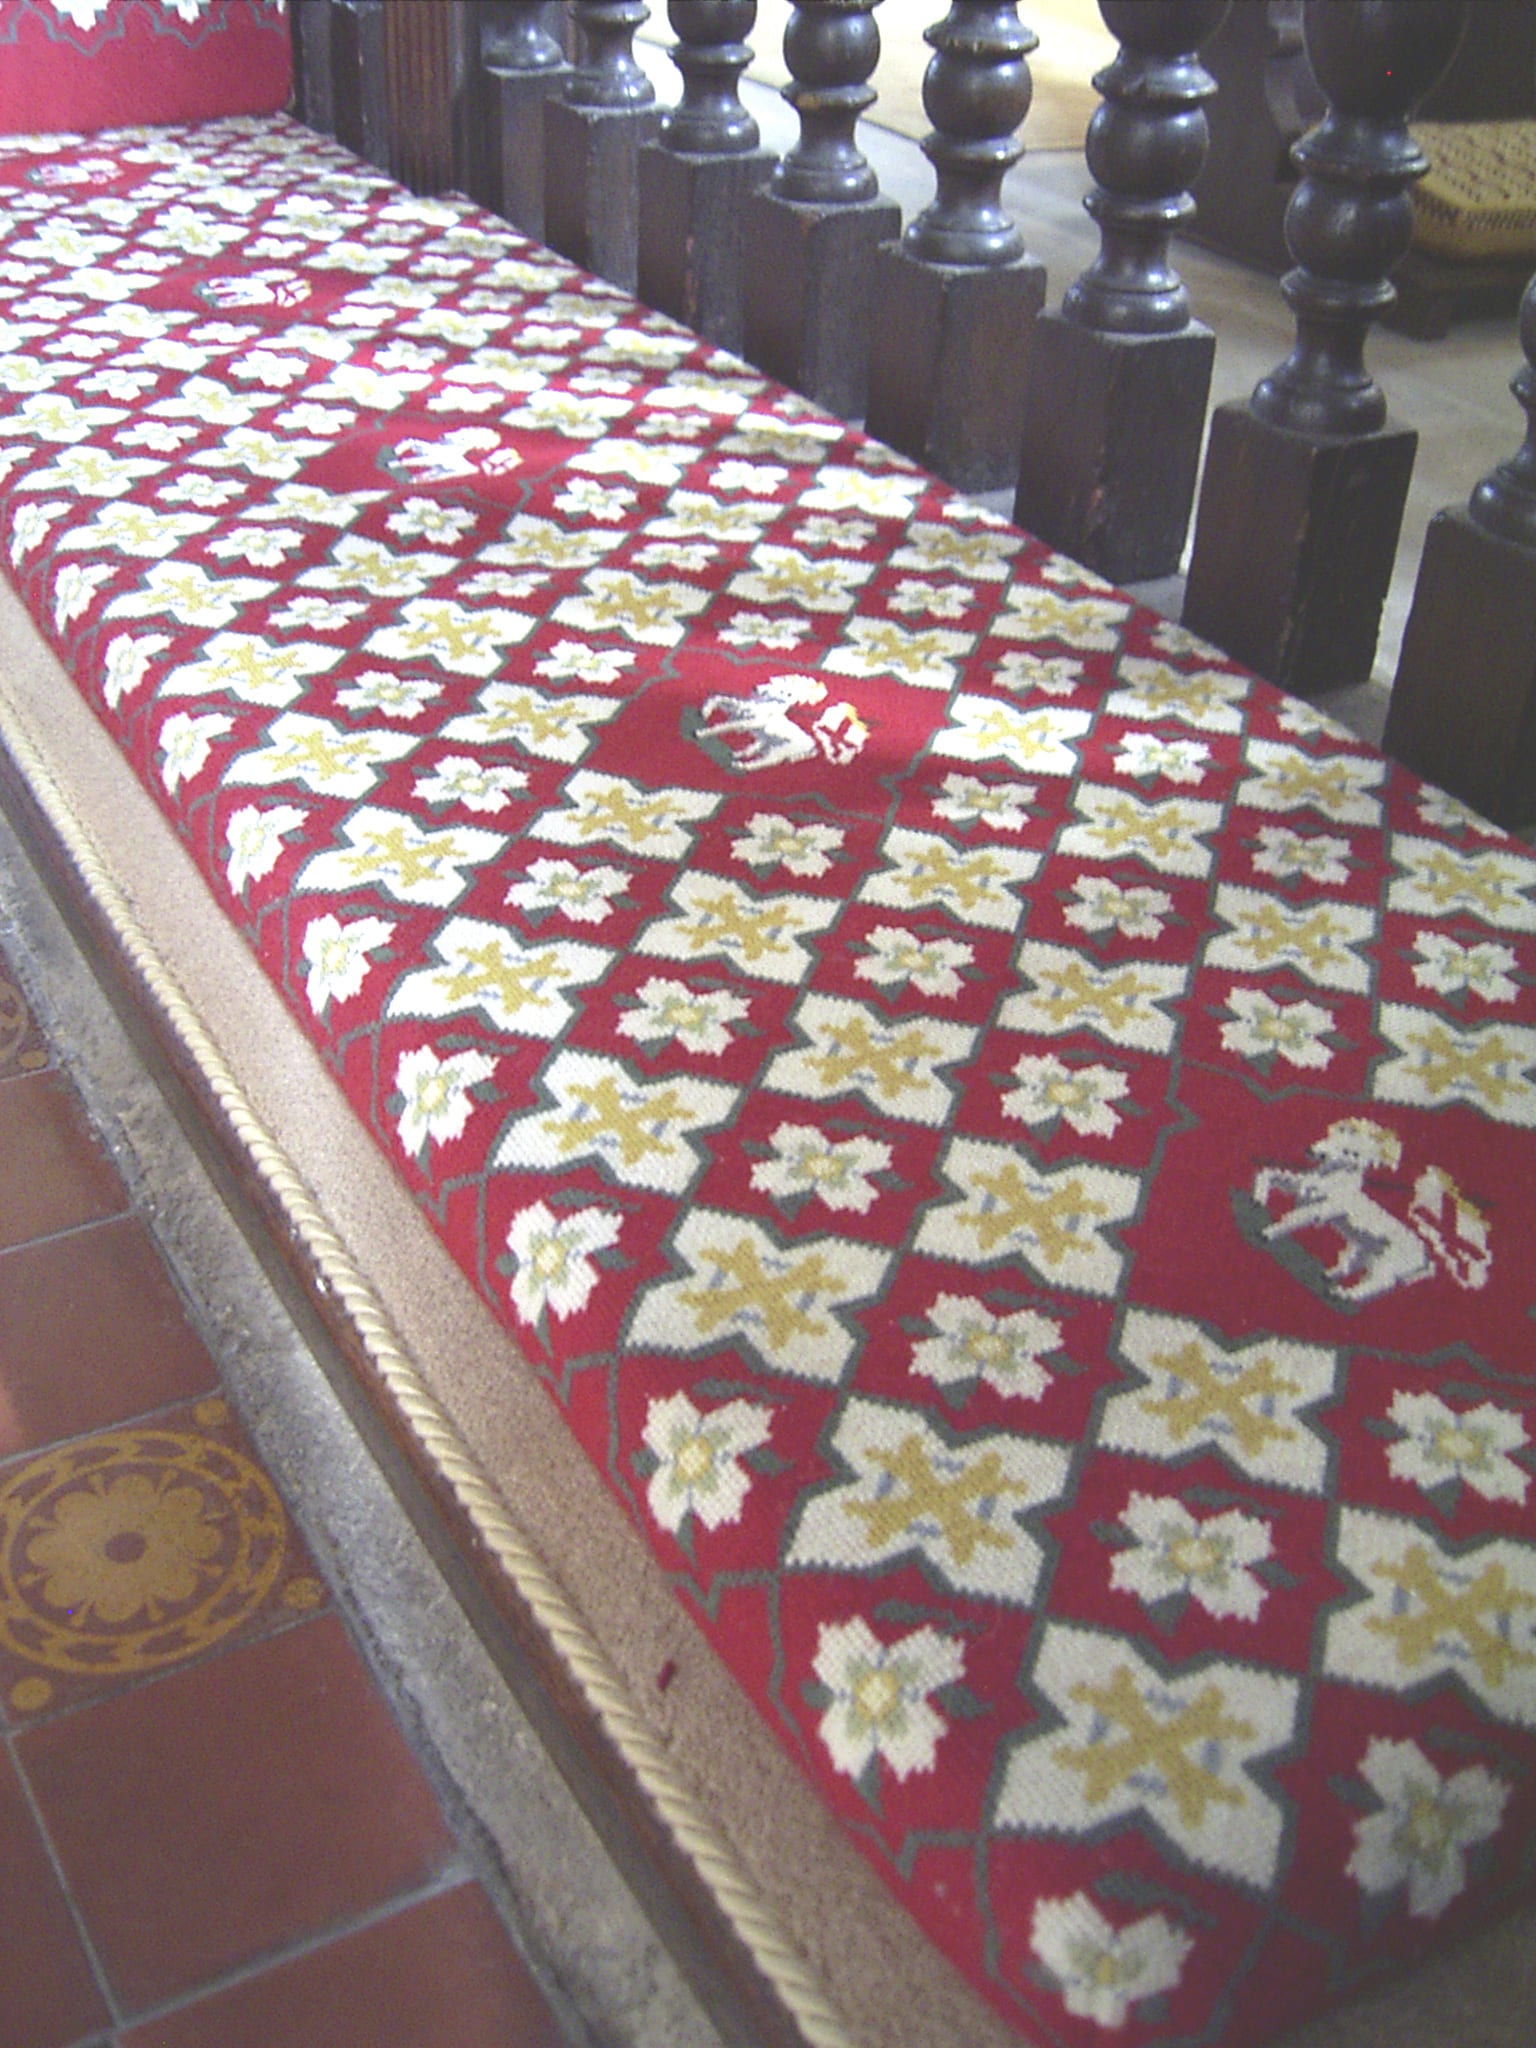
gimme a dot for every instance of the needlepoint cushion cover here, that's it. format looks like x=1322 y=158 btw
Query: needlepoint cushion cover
x=84 y=65
x=1010 y=1143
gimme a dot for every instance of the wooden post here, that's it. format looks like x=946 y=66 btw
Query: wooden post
x=956 y=296
x=360 y=97
x=592 y=137
x=1117 y=381
x=313 y=93
x=522 y=64
x=1304 y=485
x=1463 y=708
x=695 y=181
x=814 y=231
x=431 y=50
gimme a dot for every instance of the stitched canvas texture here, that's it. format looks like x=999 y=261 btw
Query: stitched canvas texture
x=1011 y=1144
x=85 y=65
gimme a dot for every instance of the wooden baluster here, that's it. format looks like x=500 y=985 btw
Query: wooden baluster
x=694 y=182
x=1463 y=708
x=957 y=295
x=1117 y=381
x=1266 y=99
x=359 y=97
x=814 y=231
x=592 y=137
x=522 y=64
x=313 y=94
x=1304 y=485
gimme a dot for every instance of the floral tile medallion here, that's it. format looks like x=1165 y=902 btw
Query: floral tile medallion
x=136 y=1549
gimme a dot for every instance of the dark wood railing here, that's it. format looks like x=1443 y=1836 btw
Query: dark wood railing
x=1093 y=411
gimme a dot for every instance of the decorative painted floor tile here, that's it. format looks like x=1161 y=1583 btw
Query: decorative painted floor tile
x=125 y=1553
x=23 y=1049
x=227 y=1811
x=92 y=1332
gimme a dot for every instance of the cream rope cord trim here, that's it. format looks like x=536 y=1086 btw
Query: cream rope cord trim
x=713 y=1856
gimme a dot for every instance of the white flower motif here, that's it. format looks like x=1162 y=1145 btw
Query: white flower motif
x=553 y=1258
x=256 y=841
x=573 y=660
x=1425 y=1824
x=811 y=1163
x=819 y=531
x=880 y=1695
x=969 y=801
x=457 y=779
x=427 y=519
x=937 y=600
x=338 y=957
x=896 y=957
x=128 y=660
x=1316 y=855
x=699 y=1019
x=1263 y=1029
x=380 y=689
x=317 y=614
x=1450 y=813
x=585 y=895
x=1048 y=1088
x=1149 y=754
x=1441 y=1443
x=757 y=479
x=1176 y=1552
x=1103 y=905
x=771 y=840
x=1448 y=967
x=697 y=1472
x=187 y=741
x=585 y=498
x=972 y=1343
x=1102 y=1971
x=760 y=629
x=263 y=547
x=435 y=1096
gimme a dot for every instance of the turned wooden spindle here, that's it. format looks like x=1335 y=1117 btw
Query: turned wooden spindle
x=522 y=64
x=695 y=180
x=1118 y=379
x=711 y=52
x=1305 y=485
x=592 y=137
x=1463 y=708
x=814 y=230
x=976 y=92
x=955 y=299
x=831 y=48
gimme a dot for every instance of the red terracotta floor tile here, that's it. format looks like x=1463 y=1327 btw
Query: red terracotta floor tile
x=225 y=1811
x=439 y=1974
x=134 y=1549
x=48 y=1997
x=91 y=1332
x=53 y=1171
x=23 y=1049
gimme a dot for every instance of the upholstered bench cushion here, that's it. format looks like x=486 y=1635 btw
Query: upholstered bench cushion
x=1011 y=1145
x=83 y=65
x=1477 y=201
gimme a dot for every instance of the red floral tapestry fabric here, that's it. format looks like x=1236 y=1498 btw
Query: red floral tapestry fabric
x=1012 y=1145
x=84 y=65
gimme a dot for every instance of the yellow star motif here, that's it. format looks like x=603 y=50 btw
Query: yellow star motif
x=1159 y=1745
x=917 y=1492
